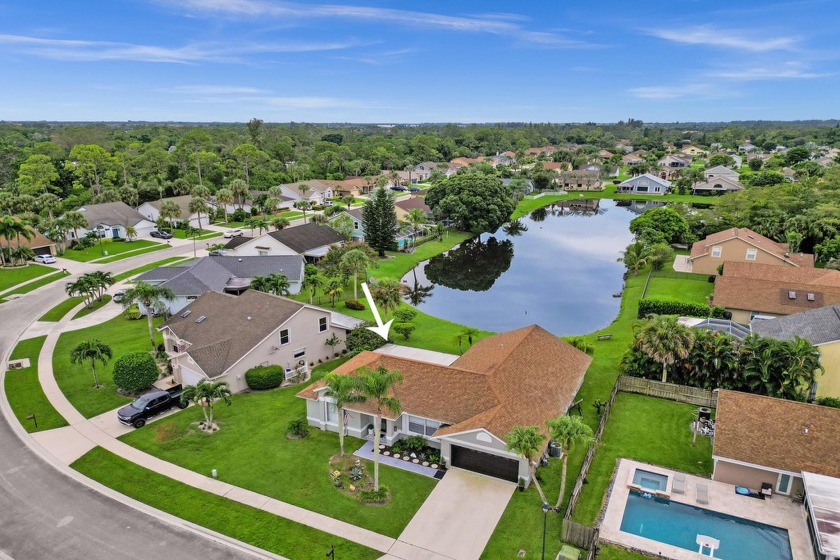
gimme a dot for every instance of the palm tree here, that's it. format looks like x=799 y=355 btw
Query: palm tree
x=197 y=206
x=527 y=441
x=153 y=298
x=260 y=283
x=223 y=198
x=74 y=221
x=319 y=219
x=568 y=431
x=10 y=227
x=345 y=390
x=130 y=233
x=376 y=387
x=348 y=200
x=304 y=188
x=312 y=282
x=280 y=223
x=92 y=350
x=634 y=257
x=100 y=281
x=303 y=206
x=240 y=190
x=203 y=394
x=83 y=287
x=415 y=217
x=356 y=261
x=387 y=294
x=275 y=283
x=663 y=339
x=21 y=254
x=169 y=211
x=334 y=289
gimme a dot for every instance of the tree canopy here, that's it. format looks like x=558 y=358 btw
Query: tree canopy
x=476 y=202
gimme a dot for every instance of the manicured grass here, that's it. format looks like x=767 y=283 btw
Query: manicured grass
x=12 y=276
x=247 y=524
x=145 y=267
x=58 y=312
x=205 y=234
x=646 y=429
x=609 y=552
x=113 y=248
x=97 y=304
x=692 y=288
x=24 y=391
x=76 y=380
x=121 y=256
x=251 y=450
x=32 y=286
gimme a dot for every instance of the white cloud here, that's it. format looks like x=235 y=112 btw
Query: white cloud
x=713 y=36
x=679 y=91
x=215 y=90
x=788 y=71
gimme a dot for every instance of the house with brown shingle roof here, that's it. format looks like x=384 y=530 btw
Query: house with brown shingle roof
x=39 y=243
x=520 y=378
x=751 y=289
x=742 y=245
x=763 y=440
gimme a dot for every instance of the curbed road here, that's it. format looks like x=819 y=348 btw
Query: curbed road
x=46 y=514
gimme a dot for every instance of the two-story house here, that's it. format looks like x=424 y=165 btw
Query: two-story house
x=740 y=245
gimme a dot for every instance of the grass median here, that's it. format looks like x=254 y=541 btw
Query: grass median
x=58 y=312
x=109 y=248
x=14 y=275
x=24 y=390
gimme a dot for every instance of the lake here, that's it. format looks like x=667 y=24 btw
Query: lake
x=558 y=270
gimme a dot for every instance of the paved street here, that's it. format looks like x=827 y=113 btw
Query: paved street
x=45 y=514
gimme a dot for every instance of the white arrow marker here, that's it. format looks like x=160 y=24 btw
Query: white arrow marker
x=380 y=329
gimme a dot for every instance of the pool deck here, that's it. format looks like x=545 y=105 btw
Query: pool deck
x=778 y=511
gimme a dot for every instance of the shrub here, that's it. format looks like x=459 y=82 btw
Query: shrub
x=360 y=338
x=298 y=428
x=374 y=496
x=833 y=402
x=135 y=372
x=405 y=315
x=669 y=307
x=414 y=443
x=238 y=215
x=261 y=378
x=354 y=304
x=132 y=313
x=405 y=329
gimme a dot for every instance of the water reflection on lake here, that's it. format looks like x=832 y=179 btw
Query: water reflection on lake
x=557 y=268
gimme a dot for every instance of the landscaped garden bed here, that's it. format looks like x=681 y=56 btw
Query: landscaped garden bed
x=352 y=477
x=413 y=450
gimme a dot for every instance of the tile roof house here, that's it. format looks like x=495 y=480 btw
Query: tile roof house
x=763 y=440
x=747 y=289
x=220 y=337
x=742 y=245
x=309 y=240
x=221 y=274
x=644 y=184
x=110 y=219
x=151 y=210
x=520 y=378
x=820 y=327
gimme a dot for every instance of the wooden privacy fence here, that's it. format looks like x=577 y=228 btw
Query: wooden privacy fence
x=671 y=391
x=582 y=536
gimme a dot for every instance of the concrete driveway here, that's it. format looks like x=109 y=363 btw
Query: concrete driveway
x=456 y=520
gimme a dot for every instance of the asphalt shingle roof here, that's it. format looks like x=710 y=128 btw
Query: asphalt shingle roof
x=111 y=214
x=817 y=326
x=306 y=237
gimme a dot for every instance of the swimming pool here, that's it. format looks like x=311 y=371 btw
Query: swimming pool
x=649 y=480
x=679 y=524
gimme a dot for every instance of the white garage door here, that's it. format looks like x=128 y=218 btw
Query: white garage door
x=189 y=377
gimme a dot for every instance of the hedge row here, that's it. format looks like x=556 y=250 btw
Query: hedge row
x=668 y=307
x=264 y=377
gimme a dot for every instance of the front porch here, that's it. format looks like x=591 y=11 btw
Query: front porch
x=406 y=463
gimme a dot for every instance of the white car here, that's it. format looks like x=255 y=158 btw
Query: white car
x=232 y=233
x=45 y=259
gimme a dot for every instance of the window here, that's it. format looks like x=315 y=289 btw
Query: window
x=641 y=189
x=322 y=324
x=262 y=252
x=751 y=253
x=332 y=413
x=284 y=337
x=422 y=426
x=176 y=348
x=656 y=189
x=300 y=353
x=355 y=225
x=717 y=250
x=192 y=297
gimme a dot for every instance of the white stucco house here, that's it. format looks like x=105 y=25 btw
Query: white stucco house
x=520 y=378
x=317 y=193
x=644 y=184
x=310 y=240
x=151 y=210
x=110 y=219
x=219 y=337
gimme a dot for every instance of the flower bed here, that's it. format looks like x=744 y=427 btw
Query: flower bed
x=351 y=476
x=414 y=450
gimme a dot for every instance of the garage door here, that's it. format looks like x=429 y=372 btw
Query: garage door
x=485 y=463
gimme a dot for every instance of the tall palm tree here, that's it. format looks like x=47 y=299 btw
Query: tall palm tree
x=223 y=198
x=348 y=200
x=153 y=298
x=376 y=387
x=204 y=394
x=92 y=350
x=527 y=441
x=197 y=206
x=10 y=227
x=100 y=281
x=169 y=211
x=312 y=282
x=415 y=218
x=387 y=293
x=304 y=188
x=240 y=190
x=303 y=206
x=83 y=287
x=568 y=431
x=356 y=261
x=74 y=221
x=334 y=289
x=345 y=390
x=663 y=339
x=634 y=257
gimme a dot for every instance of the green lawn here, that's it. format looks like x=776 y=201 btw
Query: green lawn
x=32 y=286
x=145 y=267
x=58 y=312
x=12 y=276
x=24 y=391
x=692 y=288
x=646 y=429
x=205 y=234
x=247 y=524
x=610 y=552
x=97 y=304
x=109 y=246
x=76 y=381
x=251 y=450
x=126 y=255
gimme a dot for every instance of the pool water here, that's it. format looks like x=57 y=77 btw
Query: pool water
x=679 y=524
x=650 y=480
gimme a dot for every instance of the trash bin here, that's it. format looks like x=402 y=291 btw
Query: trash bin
x=555 y=450
x=704 y=413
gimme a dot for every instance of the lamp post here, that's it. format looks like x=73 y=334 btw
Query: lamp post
x=546 y=508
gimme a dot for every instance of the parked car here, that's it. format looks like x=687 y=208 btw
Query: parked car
x=398 y=188
x=156 y=233
x=236 y=232
x=150 y=404
x=44 y=259
x=218 y=252
x=415 y=189
x=119 y=295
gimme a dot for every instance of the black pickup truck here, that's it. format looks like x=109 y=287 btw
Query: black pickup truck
x=150 y=404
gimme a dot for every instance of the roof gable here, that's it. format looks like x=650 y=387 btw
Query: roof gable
x=306 y=237
x=111 y=214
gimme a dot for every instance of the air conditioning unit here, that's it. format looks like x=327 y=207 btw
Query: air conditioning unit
x=15 y=365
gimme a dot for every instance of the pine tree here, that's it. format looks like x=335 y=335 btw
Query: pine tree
x=379 y=219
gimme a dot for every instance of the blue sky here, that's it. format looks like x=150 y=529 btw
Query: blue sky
x=432 y=61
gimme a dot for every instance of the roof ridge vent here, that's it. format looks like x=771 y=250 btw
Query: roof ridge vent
x=200 y=319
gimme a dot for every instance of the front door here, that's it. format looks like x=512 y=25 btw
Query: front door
x=115 y=232
x=383 y=426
